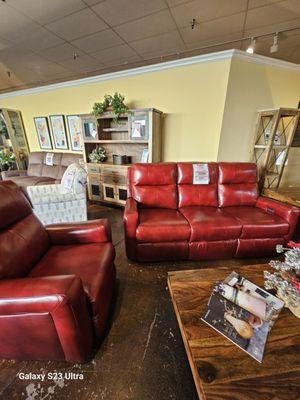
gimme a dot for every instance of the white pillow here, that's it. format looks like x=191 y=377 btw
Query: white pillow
x=74 y=179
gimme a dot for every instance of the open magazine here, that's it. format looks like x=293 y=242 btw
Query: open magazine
x=242 y=312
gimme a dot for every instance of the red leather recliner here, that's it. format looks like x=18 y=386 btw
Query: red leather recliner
x=168 y=217
x=56 y=283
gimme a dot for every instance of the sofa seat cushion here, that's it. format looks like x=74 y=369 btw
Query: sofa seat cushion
x=93 y=263
x=24 y=181
x=162 y=225
x=211 y=223
x=257 y=223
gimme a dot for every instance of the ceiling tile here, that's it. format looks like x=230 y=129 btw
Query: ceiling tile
x=295 y=57
x=41 y=39
x=260 y=3
x=92 y=2
x=216 y=29
x=292 y=24
x=13 y=25
x=151 y=25
x=79 y=24
x=116 y=12
x=117 y=53
x=203 y=10
x=83 y=63
x=17 y=55
x=4 y=44
x=98 y=41
x=271 y=14
x=173 y=3
x=44 y=12
x=60 y=53
x=159 y=45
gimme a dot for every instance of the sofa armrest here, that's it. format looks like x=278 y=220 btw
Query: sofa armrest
x=287 y=212
x=96 y=231
x=63 y=298
x=131 y=221
x=9 y=174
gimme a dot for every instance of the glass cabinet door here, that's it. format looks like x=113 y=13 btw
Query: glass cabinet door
x=15 y=138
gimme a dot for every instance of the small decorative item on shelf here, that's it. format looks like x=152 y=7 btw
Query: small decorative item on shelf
x=286 y=281
x=7 y=159
x=115 y=103
x=121 y=160
x=97 y=155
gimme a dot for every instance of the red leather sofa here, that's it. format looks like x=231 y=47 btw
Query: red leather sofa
x=56 y=283
x=168 y=217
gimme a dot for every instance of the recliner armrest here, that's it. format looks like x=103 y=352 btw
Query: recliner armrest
x=131 y=221
x=10 y=174
x=287 y=212
x=35 y=294
x=131 y=217
x=63 y=298
x=95 y=231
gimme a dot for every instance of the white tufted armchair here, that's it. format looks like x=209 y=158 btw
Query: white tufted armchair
x=65 y=202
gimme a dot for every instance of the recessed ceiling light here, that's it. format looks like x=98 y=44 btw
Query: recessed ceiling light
x=251 y=47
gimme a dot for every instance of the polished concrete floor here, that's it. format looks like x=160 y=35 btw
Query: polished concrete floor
x=141 y=357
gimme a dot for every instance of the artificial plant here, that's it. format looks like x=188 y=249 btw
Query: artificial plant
x=7 y=158
x=97 y=155
x=116 y=102
x=286 y=278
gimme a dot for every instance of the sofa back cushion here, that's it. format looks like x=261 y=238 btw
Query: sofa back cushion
x=154 y=185
x=52 y=171
x=35 y=163
x=23 y=239
x=193 y=194
x=237 y=184
x=38 y=167
x=66 y=160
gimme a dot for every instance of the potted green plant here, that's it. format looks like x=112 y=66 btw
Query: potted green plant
x=114 y=103
x=7 y=159
x=97 y=155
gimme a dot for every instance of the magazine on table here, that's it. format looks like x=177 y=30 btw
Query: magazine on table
x=243 y=313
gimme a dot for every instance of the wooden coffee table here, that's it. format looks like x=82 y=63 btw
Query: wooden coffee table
x=220 y=369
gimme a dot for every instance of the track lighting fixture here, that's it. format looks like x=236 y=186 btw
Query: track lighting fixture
x=75 y=56
x=193 y=23
x=274 y=47
x=251 y=47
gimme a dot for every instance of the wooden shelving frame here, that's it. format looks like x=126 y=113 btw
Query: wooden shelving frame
x=273 y=136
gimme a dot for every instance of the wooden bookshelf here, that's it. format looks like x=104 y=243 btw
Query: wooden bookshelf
x=136 y=132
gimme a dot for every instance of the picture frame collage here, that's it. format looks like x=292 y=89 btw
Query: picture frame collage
x=59 y=132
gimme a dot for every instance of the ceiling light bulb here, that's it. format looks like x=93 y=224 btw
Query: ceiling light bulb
x=251 y=47
x=274 y=47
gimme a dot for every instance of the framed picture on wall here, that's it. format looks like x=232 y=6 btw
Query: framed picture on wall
x=59 y=132
x=42 y=129
x=75 y=132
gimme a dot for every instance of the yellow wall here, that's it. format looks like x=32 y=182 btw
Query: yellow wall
x=192 y=98
x=210 y=108
x=252 y=87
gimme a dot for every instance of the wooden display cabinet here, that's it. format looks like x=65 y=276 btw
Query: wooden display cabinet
x=136 y=135
x=13 y=136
